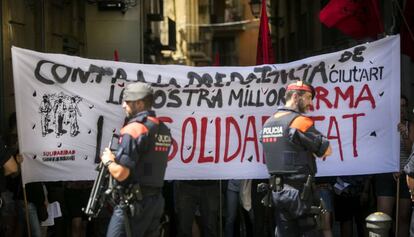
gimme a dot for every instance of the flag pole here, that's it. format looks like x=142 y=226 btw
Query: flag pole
x=397 y=206
x=19 y=160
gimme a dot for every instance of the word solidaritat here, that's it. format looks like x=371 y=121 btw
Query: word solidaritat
x=232 y=132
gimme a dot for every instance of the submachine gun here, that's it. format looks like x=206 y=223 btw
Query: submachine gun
x=101 y=192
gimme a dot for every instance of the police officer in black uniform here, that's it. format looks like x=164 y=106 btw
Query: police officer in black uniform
x=138 y=166
x=290 y=143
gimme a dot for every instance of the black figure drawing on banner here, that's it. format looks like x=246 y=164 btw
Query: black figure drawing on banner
x=73 y=115
x=60 y=110
x=45 y=108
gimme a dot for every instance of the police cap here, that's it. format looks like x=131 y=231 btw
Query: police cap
x=137 y=91
x=301 y=86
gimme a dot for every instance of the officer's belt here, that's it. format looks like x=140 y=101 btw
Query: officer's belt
x=295 y=177
x=150 y=190
x=294 y=180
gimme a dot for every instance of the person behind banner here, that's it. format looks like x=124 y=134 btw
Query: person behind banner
x=8 y=167
x=409 y=171
x=138 y=166
x=354 y=200
x=390 y=187
x=290 y=143
x=28 y=199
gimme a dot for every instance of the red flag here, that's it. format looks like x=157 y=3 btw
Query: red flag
x=407 y=40
x=216 y=59
x=356 y=18
x=116 y=57
x=264 y=43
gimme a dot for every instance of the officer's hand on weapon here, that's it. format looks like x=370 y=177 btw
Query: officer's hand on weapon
x=107 y=156
x=118 y=172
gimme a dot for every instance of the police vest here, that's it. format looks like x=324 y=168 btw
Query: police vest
x=282 y=156
x=152 y=163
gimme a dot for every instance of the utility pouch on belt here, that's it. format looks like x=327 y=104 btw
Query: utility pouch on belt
x=136 y=192
x=128 y=198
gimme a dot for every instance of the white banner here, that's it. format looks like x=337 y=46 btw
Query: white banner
x=215 y=113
